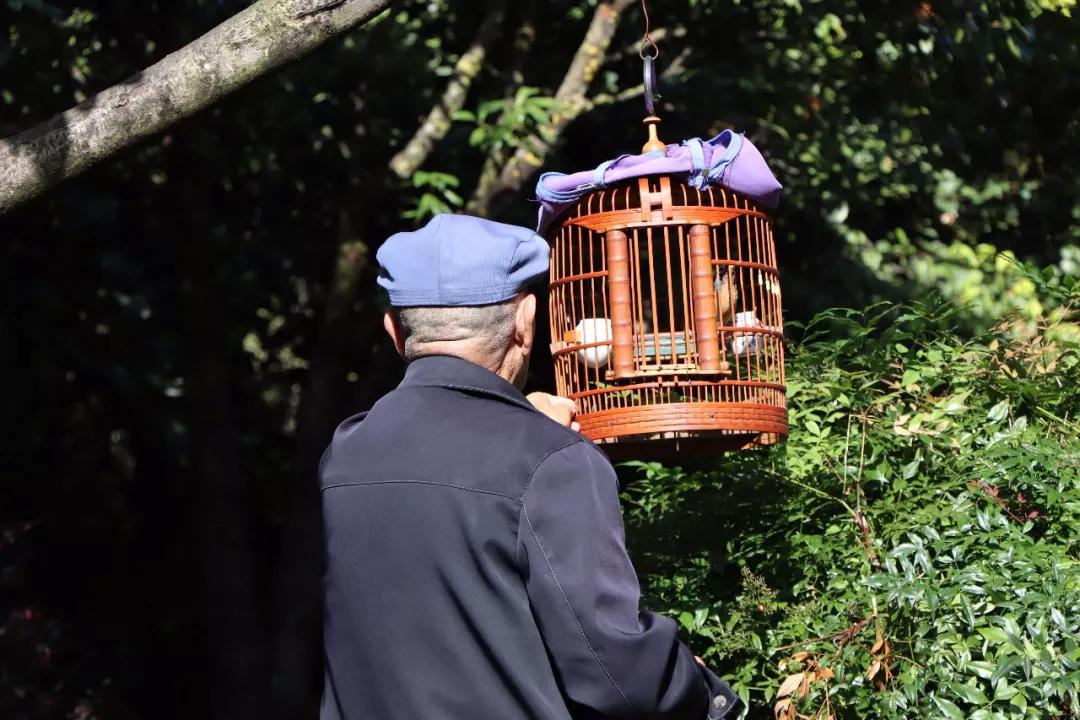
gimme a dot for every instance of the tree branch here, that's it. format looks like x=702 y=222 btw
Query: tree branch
x=523 y=40
x=571 y=100
x=673 y=69
x=255 y=41
x=437 y=124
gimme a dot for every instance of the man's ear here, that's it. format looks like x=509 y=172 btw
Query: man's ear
x=393 y=329
x=525 y=322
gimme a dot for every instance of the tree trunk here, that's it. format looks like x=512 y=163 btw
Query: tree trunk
x=492 y=196
x=523 y=40
x=297 y=593
x=233 y=630
x=434 y=128
x=250 y=44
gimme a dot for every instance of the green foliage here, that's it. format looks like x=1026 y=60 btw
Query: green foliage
x=437 y=195
x=918 y=530
x=902 y=130
x=1064 y=7
x=508 y=123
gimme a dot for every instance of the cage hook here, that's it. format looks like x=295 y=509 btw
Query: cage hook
x=652 y=90
x=646 y=38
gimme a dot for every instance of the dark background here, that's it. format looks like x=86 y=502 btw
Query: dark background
x=183 y=326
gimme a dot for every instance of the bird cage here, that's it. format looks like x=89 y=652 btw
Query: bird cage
x=666 y=321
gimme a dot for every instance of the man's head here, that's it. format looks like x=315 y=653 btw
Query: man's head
x=461 y=286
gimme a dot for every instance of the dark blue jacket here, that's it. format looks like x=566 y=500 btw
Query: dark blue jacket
x=476 y=568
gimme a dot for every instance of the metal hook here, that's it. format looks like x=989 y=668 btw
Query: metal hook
x=646 y=39
x=652 y=90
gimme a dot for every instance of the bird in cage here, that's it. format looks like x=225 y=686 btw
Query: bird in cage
x=727 y=296
x=728 y=315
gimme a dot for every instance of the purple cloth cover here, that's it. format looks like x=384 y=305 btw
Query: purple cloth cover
x=729 y=160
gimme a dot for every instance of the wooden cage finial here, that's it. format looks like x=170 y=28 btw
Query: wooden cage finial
x=654 y=142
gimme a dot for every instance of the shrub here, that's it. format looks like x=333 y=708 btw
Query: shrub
x=911 y=551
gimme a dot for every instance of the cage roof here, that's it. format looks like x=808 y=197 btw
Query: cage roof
x=728 y=160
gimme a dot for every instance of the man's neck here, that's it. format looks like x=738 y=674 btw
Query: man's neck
x=503 y=367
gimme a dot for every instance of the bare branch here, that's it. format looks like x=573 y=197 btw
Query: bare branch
x=674 y=68
x=437 y=124
x=255 y=41
x=571 y=101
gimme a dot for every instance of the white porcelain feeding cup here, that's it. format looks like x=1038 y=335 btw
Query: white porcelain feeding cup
x=594 y=330
x=743 y=343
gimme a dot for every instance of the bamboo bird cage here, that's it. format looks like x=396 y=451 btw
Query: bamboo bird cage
x=666 y=319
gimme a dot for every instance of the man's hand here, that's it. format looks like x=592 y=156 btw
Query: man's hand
x=561 y=410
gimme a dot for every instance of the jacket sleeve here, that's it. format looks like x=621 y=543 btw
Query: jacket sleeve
x=611 y=658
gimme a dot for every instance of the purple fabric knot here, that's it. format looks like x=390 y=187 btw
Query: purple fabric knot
x=728 y=160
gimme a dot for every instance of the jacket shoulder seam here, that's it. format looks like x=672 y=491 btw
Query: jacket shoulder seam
x=523 y=404
x=421 y=482
x=487 y=392
x=536 y=466
x=570 y=608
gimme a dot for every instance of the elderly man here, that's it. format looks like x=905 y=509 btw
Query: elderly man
x=476 y=567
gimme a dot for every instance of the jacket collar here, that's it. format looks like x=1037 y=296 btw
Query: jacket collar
x=458 y=374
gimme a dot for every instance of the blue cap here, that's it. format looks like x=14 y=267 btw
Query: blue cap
x=460 y=260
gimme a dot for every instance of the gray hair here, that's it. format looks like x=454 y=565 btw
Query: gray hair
x=486 y=329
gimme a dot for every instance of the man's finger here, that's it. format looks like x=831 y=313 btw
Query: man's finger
x=565 y=402
x=560 y=409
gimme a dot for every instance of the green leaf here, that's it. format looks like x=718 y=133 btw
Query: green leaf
x=903 y=549
x=948 y=707
x=1005 y=665
x=994 y=634
x=1003 y=690
x=969 y=693
x=477 y=137
x=998 y=412
x=955 y=406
